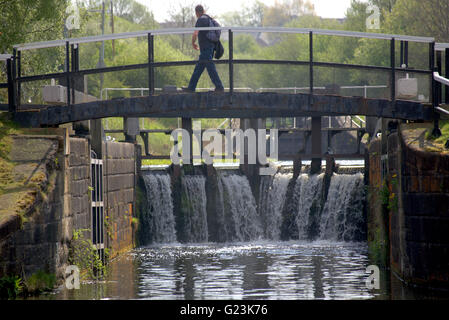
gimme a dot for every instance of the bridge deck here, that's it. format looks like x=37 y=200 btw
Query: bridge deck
x=224 y=105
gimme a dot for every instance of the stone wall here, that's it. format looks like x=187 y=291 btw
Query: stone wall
x=417 y=206
x=40 y=240
x=119 y=180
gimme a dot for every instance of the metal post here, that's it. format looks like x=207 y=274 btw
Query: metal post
x=406 y=54
x=433 y=94
x=73 y=68
x=231 y=64
x=67 y=66
x=446 y=73
x=393 y=71
x=439 y=86
x=401 y=60
x=19 y=74
x=311 y=65
x=150 y=64
x=11 y=93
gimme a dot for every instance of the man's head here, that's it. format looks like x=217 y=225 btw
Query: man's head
x=199 y=10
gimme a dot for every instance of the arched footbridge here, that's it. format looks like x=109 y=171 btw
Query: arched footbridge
x=409 y=93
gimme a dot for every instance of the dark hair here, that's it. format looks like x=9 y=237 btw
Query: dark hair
x=199 y=8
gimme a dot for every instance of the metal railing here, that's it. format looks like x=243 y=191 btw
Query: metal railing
x=72 y=67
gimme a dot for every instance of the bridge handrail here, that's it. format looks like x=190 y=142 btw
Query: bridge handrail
x=72 y=70
x=171 y=31
x=440 y=79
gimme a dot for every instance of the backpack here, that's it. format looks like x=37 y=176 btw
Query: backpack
x=219 y=50
x=213 y=35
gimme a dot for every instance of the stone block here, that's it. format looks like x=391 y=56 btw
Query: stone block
x=427 y=229
x=433 y=204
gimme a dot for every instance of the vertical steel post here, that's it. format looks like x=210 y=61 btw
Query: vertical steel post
x=67 y=66
x=150 y=64
x=433 y=94
x=231 y=64
x=446 y=73
x=19 y=74
x=406 y=54
x=73 y=68
x=439 y=86
x=11 y=93
x=401 y=59
x=393 y=70
x=14 y=78
x=311 y=66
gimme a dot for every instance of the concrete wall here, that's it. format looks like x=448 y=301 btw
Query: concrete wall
x=41 y=240
x=418 y=210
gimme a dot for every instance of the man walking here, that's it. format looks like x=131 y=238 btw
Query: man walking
x=206 y=53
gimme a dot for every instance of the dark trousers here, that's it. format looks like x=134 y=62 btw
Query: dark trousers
x=206 y=55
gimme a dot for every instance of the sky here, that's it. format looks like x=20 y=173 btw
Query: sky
x=323 y=8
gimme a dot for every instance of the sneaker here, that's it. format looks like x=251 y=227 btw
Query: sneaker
x=219 y=90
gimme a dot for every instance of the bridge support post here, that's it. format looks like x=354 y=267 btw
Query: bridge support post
x=97 y=137
x=186 y=124
x=131 y=129
x=316 y=145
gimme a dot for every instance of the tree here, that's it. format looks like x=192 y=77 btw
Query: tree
x=421 y=18
x=30 y=20
x=282 y=12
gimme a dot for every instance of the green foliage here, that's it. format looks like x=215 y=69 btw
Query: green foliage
x=39 y=282
x=10 y=287
x=83 y=254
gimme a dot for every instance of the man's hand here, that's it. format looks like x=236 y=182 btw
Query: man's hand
x=194 y=37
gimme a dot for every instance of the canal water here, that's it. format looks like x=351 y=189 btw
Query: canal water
x=324 y=257
x=246 y=270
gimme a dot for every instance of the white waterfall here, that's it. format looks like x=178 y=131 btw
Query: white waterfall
x=194 y=207
x=342 y=216
x=159 y=212
x=243 y=222
x=309 y=189
x=273 y=191
x=339 y=217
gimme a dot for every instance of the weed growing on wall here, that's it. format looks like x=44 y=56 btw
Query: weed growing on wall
x=83 y=254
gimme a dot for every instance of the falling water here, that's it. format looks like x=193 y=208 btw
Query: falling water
x=236 y=217
x=309 y=204
x=273 y=191
x=193 y=203
x=342 y=216
x=159 y=214
x=243 y=222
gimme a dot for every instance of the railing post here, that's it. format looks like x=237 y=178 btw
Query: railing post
x=393 y=71
x=73 y=68
x=231 y=64
x=150 y=64
x=446 y=73
x=11 y=92
x=19 y=74
x=436 y=132
x=406 y=54
x=439 y=86
x=311 y=65
x=67 y=66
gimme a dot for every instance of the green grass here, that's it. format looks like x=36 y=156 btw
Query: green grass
x=159 y=143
